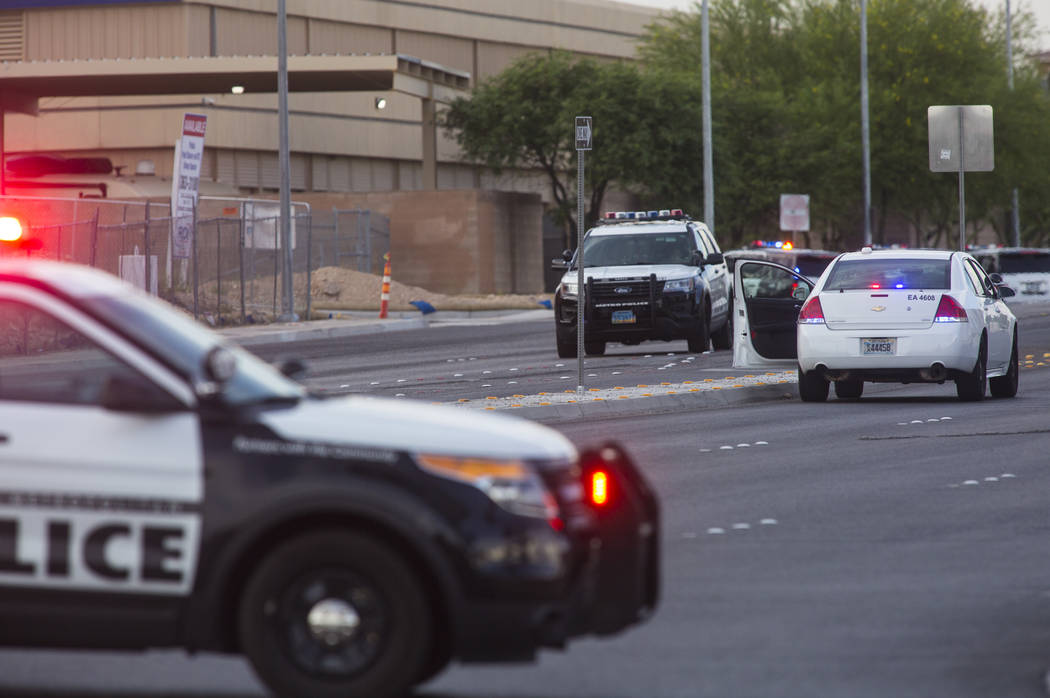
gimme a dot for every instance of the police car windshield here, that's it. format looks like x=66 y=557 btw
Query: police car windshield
x=889 y=274
x=1024 y=262
x=182 y=344
x=642 y=248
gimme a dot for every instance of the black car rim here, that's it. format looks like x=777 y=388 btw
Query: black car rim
x=332 y=623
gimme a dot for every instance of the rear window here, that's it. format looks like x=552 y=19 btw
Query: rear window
x=813 y=265
x=889 y=274
x=1024 y=262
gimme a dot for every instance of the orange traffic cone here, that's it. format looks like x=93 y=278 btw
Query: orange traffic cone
x=384 y=297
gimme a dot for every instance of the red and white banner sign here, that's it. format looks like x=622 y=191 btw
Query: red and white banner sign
x=185 y=182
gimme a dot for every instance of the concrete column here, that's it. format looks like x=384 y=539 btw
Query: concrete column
x=429 y=145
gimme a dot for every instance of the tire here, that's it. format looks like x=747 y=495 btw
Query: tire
x=566 y=350
x=439 y=660
x=972 y=386
x=849 y=389
x=359 y=577
x=1006 y=386
x=812 y=387
x=699 y=339
x=723 y=337
x=594 y=348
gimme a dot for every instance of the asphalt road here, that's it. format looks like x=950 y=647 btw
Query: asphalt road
x=893 y=546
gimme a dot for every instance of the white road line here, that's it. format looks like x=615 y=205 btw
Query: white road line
x=991 y=479
x=768 y=522
x=743 y=445
x=725 y=448
x=761 y=443
x=1007 y=475
x=705 y=450
x=741 y=526
x=715 y=531
x=971 y=482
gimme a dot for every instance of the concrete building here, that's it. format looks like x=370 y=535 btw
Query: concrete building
x=343 y=144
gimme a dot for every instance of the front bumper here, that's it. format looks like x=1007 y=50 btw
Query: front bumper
x=613 y=583
x=953 y=345
x=663 y=316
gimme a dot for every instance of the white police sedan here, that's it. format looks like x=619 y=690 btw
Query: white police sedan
x=894 y=316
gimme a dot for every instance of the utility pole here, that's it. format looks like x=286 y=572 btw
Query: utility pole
x=1015 y=213
x=288 y=293
x=864 y=128
x=709 y=175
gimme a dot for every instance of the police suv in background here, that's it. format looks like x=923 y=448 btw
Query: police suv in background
x=649 y=275
x=1024 y=269
x=159 y=488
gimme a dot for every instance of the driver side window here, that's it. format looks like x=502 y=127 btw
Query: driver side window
x=44 y=360
x=763 y=281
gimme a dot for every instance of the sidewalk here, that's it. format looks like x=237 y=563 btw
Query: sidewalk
x=248 y=335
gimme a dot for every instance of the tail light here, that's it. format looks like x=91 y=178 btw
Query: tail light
x=10 y=229
x=949 y=310
x=812 y=313
x=599 y=488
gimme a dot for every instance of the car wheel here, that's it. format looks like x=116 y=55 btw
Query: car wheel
x=972 y=386
x=595 y=348
x=335 y=613
x=723 y=337
x=849 y=389
x=566 y=347
x=812 y=387
x=1006 y=386
x=699 y=339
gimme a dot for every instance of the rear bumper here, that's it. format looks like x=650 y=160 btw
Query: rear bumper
x=952 y=345
x=614 y=585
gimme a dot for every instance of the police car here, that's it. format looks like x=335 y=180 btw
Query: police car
x=649 y=275
x=900 y=316
x=159 y=488
x=1024 y=269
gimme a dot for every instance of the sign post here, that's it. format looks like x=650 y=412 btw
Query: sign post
x=961 y=140
x=189 y=153
x=583 y=144
x=794 y=213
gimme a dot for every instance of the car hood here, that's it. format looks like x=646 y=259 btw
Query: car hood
x=635 y=271
x=417 y=427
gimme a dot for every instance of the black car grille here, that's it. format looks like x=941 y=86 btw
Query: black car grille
x=624 y=294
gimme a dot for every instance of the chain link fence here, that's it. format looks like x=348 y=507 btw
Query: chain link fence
x=232 y=272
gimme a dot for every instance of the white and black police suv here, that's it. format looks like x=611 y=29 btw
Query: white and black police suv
x=648 y=275
x=159 y=488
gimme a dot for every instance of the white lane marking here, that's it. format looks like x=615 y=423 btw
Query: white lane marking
x=743 y=445
x=374 y=383
x=648 y=356
x=512 y=382
x=400 y=380
x=513 y=369
x=345 y=385
x=485 y=373
x=916 y=421
x=457 y=375
x=741 y=526
x=592 y=375
x=933 y=420
x=559 y=365
x=761 y=443
x=971 y=482
x=473 y=358
x=715 y=531
x=991 y=479
x=617 y=373
x=946 y=419
x=705 y=450
x=902 y=424
x=670 y=353
x=725 y=448
x=486 y=385
x=768 y=522
x=1007 y=475
x=564 y=378
x=450 y=361
x=400 y=395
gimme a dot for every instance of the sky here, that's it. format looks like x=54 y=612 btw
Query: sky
x=1041 y=9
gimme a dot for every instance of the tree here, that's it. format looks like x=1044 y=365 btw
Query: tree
x=523 y=118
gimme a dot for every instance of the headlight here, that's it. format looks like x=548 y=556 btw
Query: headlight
x=685 y=285
x=513 y=485
x=568 y=289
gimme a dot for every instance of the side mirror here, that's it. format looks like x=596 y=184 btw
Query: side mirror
x=996 y=279
x=566 y=255
x=800 y=292
x=697 y=260
x=559 y=264
x=715 y=258
x=1006 y=291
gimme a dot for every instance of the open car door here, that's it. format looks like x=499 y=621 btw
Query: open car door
x=767 y=299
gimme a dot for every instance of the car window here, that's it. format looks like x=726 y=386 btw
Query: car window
x=702 y=243
x=642 y=248
x=710 y=240
x=1023 y=262
x=764 y=281
x=889 y=273
x=978 y=279
x=44 y=360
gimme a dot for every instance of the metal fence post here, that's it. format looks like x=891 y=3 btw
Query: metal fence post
x=368 y=239
x=276 y=261
x=145 y=243
x=240 y=266
x=218 y=269
x=94 y=237
x=335 y=242
x=196 y=275
x=309 y=262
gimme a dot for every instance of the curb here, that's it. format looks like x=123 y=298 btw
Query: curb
x=296 y=332
x=437 y=315
x=599 y=409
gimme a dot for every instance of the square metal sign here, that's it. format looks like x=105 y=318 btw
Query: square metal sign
x=583 y=133
x=970 y=125
x=794 y=212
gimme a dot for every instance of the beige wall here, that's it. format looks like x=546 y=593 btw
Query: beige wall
x=462 y=241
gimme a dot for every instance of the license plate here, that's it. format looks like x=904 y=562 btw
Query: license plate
x=878 y=345
x=1033 y=288
x=623 y=317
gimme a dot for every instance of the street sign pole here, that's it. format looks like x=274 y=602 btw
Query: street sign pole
x=961 y=140
x=583 y=144
x=962 y=184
